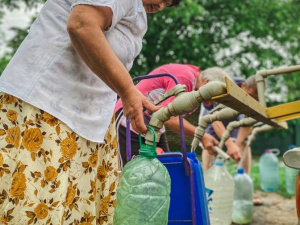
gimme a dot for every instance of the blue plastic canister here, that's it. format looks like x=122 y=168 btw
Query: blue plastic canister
x=268 y=170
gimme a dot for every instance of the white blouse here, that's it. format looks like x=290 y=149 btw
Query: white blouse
x=48 y=73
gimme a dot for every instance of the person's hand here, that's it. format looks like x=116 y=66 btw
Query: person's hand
x=208 y=142
x=233 y=151
x=133 y=103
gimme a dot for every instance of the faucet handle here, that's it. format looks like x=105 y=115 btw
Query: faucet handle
x=174 y=91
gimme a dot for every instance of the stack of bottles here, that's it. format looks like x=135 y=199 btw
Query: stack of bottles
x=268 y=171
x=242 y=211
x=143 y=196
x=219 y=185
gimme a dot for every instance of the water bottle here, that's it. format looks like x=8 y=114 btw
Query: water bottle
x=290 y=176
x=290 y=179
x=143 y=196
x=219 y=185
x=242 y=210
x=268 y=171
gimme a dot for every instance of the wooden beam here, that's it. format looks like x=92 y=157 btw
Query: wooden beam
x=239 y=100
x=284 y=112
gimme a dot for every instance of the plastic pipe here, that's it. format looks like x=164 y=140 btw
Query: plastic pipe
x=246 y=122
x=184 y=102
x=262 y=74
x=223 y=114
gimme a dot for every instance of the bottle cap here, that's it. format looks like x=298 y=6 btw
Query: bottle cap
x=240 y=171
x=292 y=146
x=148 y=151
x=268 y=151
x=219 y=161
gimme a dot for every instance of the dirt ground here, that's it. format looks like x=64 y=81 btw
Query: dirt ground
x=275 y=210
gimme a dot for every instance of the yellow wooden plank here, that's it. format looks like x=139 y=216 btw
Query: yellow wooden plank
x=288 y=117
x=286 y=111
x=239 y=100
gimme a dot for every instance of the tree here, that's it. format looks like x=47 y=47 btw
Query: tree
x=15 y=4
x=242 y=36
x=20 y=34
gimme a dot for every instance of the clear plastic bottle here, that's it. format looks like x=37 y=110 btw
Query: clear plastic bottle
x=143 y=196
x=290 y=179
x=268 y=171
x=242 y=211
x=290 y=176
x=220 y=186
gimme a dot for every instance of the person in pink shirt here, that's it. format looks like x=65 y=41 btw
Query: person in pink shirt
x=154 y=88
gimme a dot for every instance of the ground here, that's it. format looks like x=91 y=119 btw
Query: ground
x=275 y=210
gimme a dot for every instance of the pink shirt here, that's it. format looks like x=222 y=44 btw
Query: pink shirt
x=154 y=88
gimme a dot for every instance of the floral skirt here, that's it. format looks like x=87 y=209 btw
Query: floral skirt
x=49 y=174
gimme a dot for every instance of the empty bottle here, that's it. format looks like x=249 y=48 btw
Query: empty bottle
x=143 y=196
x=220 y=186
x=242 y=210
x=290 y=176
x=268 y=171
x=290 y=179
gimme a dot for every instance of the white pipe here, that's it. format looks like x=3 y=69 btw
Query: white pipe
x=246 y=122
x=262 y=74
x=183 y=103
x=223 y=114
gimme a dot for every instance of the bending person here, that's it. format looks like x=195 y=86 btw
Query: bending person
x=236 y=144
x=154 y=88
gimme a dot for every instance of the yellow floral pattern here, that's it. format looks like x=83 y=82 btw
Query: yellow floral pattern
x=49 y=174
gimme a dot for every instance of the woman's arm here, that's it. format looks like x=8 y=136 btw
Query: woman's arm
x=85 y=26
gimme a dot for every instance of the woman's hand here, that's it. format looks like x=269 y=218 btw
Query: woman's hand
x=208 y=142
x=133 y=103
x=233 y=151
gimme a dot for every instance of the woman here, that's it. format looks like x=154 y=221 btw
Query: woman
x=58 y=155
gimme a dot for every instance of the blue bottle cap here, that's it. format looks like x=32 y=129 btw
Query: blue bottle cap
x=219 y=161
x=292 y=146
x=240 y=171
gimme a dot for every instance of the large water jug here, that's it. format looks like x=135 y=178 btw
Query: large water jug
x=219 y=185
x=290 y=179
x=143 y=196
x=290 y=176
x=242 y=210
x=268 y=171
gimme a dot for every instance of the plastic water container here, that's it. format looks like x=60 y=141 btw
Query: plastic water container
x=143 y=196
x=268 y=170
x=219 y=186
x=290 y=176
x=290 y=179
x=242 y=211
